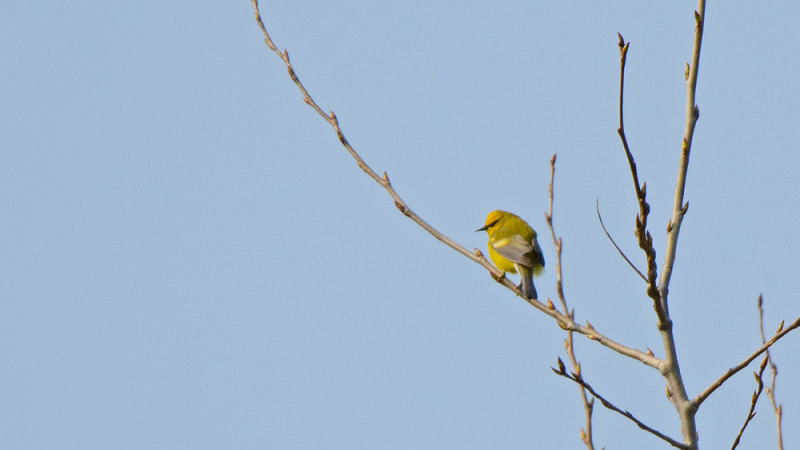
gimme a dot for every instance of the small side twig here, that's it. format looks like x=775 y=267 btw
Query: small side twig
x=576 y=377
x=608 y=235
x=588 y=404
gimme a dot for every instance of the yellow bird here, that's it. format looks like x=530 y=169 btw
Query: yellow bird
x=513 y=248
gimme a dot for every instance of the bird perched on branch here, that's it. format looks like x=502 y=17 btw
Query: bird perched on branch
x=513 y=248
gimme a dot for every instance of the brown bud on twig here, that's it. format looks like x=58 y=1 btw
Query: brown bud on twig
x=561 y=366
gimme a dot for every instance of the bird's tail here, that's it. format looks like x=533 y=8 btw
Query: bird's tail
x=526 y=276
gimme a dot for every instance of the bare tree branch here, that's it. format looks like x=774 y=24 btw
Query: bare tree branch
x=777 y=409
x=756 y=394
x=576 y=377
x=588 y=404
x=697 y=401
x=758 y=376
x=563 y=320
x=643 y=236
x=624 y=256
x=670 y=368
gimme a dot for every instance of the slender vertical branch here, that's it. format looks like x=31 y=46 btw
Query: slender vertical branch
x=643 y=237
x=776 y=408
x=588 y=404
x=686 y=409
x=658 y=291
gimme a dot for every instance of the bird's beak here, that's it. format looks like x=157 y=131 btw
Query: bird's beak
x=482 y=228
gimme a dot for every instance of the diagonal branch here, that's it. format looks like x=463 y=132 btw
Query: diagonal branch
x=563 y=320
x=697 y=401
x=608 y=235
x=576 y=377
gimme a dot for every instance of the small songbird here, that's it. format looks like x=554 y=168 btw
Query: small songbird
x=513 y=248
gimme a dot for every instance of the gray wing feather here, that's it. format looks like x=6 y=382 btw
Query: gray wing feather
x=516 y=249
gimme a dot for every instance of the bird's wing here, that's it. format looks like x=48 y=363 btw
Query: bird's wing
x=516 y=249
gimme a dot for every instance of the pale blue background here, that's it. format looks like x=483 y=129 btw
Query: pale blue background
x=191 y=260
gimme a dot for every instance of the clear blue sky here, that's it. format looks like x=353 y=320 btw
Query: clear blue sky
x=191 y=260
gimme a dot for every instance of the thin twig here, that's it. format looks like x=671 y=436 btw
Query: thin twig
x=756 y=394
x=588 y=404
x=563 y=320
x=576 y=377
x=608 y=235
x=733 y=370
x=643 y=237
x=759 y=376
x=777 y=409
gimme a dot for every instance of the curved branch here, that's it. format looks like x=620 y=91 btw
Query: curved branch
x=608 y=235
